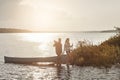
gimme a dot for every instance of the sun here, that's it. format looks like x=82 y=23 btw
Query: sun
x=41 y=15
x=44 y=19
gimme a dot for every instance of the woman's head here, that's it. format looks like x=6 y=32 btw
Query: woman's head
x=67 y=40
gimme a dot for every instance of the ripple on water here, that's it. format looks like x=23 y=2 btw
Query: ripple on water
x=25 y=72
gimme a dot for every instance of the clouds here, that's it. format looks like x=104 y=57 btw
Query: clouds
x=29 y=13
x=60 y=14
x=46 y=14
x=13 y=14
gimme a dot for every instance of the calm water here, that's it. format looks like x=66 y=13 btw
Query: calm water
x=41 y=44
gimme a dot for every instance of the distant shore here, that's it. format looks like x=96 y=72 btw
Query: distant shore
x=14 y=30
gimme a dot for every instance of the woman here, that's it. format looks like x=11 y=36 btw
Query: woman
x=67 y=48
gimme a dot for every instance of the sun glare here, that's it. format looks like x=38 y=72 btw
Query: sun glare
x=44 y=20
x=42 y=15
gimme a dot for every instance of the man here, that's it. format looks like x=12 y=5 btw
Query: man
x=58 y=49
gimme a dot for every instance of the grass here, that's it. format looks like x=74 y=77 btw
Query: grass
x=106 y=54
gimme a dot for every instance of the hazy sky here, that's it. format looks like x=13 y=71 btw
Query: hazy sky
x=60 y=15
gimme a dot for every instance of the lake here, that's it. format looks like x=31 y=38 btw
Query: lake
x=41 y=45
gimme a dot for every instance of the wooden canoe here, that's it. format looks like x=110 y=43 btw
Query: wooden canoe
x=28 y=60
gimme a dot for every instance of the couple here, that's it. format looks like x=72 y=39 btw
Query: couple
x=58 y=47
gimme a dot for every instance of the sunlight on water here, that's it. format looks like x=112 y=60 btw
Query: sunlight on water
x=38 y=37
x=43 y=40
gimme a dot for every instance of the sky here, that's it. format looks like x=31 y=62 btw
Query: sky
x=60 y=15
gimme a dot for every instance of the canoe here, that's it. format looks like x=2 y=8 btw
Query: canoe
x=30 y=60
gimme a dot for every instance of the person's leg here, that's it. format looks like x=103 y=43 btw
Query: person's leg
x=58 y=60
x=67 y=59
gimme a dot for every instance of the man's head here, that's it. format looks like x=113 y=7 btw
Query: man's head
x=59 y=39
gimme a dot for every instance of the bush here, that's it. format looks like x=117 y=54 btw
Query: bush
x=115 y=41
x=105 y=54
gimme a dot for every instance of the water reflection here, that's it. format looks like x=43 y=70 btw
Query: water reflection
x=25 y=72
x=59 y=70
x=63 y=72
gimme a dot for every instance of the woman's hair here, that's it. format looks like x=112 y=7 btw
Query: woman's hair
x=67 y=40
